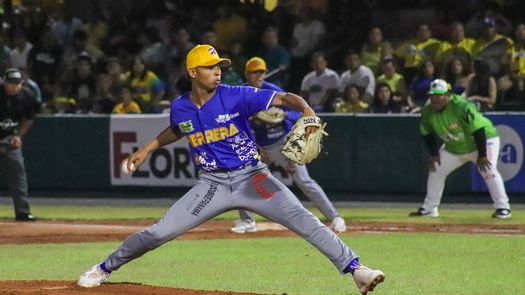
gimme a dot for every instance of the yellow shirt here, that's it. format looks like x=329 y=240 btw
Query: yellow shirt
x=132 y=108
x=372 y=58
x=462 y=50
x=230 y=29
x=347 y=107
x=146 y=88
x=516 y=58
x=481 y=44
x=415 y=51
x=393 y=83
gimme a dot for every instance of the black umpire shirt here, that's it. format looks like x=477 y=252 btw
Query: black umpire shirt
x=15 y=108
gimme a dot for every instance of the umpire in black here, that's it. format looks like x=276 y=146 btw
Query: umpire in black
x=17 y=110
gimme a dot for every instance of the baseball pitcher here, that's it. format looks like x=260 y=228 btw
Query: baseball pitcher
x=214 y=119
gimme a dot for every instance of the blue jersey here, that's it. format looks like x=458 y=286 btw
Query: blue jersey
x=266 y=134
x=219 y=132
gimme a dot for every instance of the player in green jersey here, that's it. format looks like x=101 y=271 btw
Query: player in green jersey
x=467 y=136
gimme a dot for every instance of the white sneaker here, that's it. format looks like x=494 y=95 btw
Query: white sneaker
x=367 y=279
x=93 y=277
x=338 y=225
x=244 y=227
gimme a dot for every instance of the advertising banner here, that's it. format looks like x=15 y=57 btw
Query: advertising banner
x=511 y=130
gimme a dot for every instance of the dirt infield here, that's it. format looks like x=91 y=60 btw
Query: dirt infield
x=75 y=232
x=70 y=288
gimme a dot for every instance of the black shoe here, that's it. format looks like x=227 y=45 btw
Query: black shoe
x=422 y=212
x=502 y=213
x=25 y=217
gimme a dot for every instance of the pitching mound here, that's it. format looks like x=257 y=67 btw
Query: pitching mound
x=70 y=288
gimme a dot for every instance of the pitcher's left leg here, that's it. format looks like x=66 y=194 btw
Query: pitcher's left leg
x=265 y=195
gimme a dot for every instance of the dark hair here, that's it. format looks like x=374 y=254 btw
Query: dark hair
x=271 y=29
x=376 y=93
x=318 y=54
x=480 y=81
x=482 y=69
x=144 y=72
x=361 y=90
x=449 y=76
x=351 y=52
x=421 y=70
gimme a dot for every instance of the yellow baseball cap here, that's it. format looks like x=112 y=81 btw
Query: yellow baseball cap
x=204 y=55
x=255 y=64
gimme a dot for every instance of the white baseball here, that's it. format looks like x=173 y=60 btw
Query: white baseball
x=124 y=167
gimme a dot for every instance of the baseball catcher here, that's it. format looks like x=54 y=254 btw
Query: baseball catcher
x=301 y=149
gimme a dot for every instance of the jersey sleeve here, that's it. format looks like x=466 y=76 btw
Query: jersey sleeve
x=293 y=115
x=424 y=125
x=256 y=99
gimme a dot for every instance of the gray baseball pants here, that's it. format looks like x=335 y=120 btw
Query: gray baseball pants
x=301 y=179
x=16 y=175
x=252 y=188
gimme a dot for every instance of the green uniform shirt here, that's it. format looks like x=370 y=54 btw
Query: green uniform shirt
x=455 y=124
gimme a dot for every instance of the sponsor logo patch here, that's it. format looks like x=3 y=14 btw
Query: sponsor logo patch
x=226 y=118
x=261 y=186
x=186 y=126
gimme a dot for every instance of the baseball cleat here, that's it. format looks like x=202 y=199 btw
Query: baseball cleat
x=24 y=217
x=244 y=227
x=421 y=212
x=502 y=213
x=93 y=277
x=367 y=279
x=338 y=225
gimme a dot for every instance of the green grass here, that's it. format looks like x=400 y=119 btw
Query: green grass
x=455 y=216
x=415 y=263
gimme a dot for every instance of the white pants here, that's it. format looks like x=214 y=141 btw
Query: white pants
x=450 y=162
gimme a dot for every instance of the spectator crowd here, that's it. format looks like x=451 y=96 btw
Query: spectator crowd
x=128 y=57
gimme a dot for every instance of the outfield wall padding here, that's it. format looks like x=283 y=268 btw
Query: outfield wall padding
x=363 y=154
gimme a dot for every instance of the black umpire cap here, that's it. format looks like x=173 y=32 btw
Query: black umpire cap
x=13 y=75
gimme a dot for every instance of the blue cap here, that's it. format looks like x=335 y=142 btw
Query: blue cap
x=489 y=21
